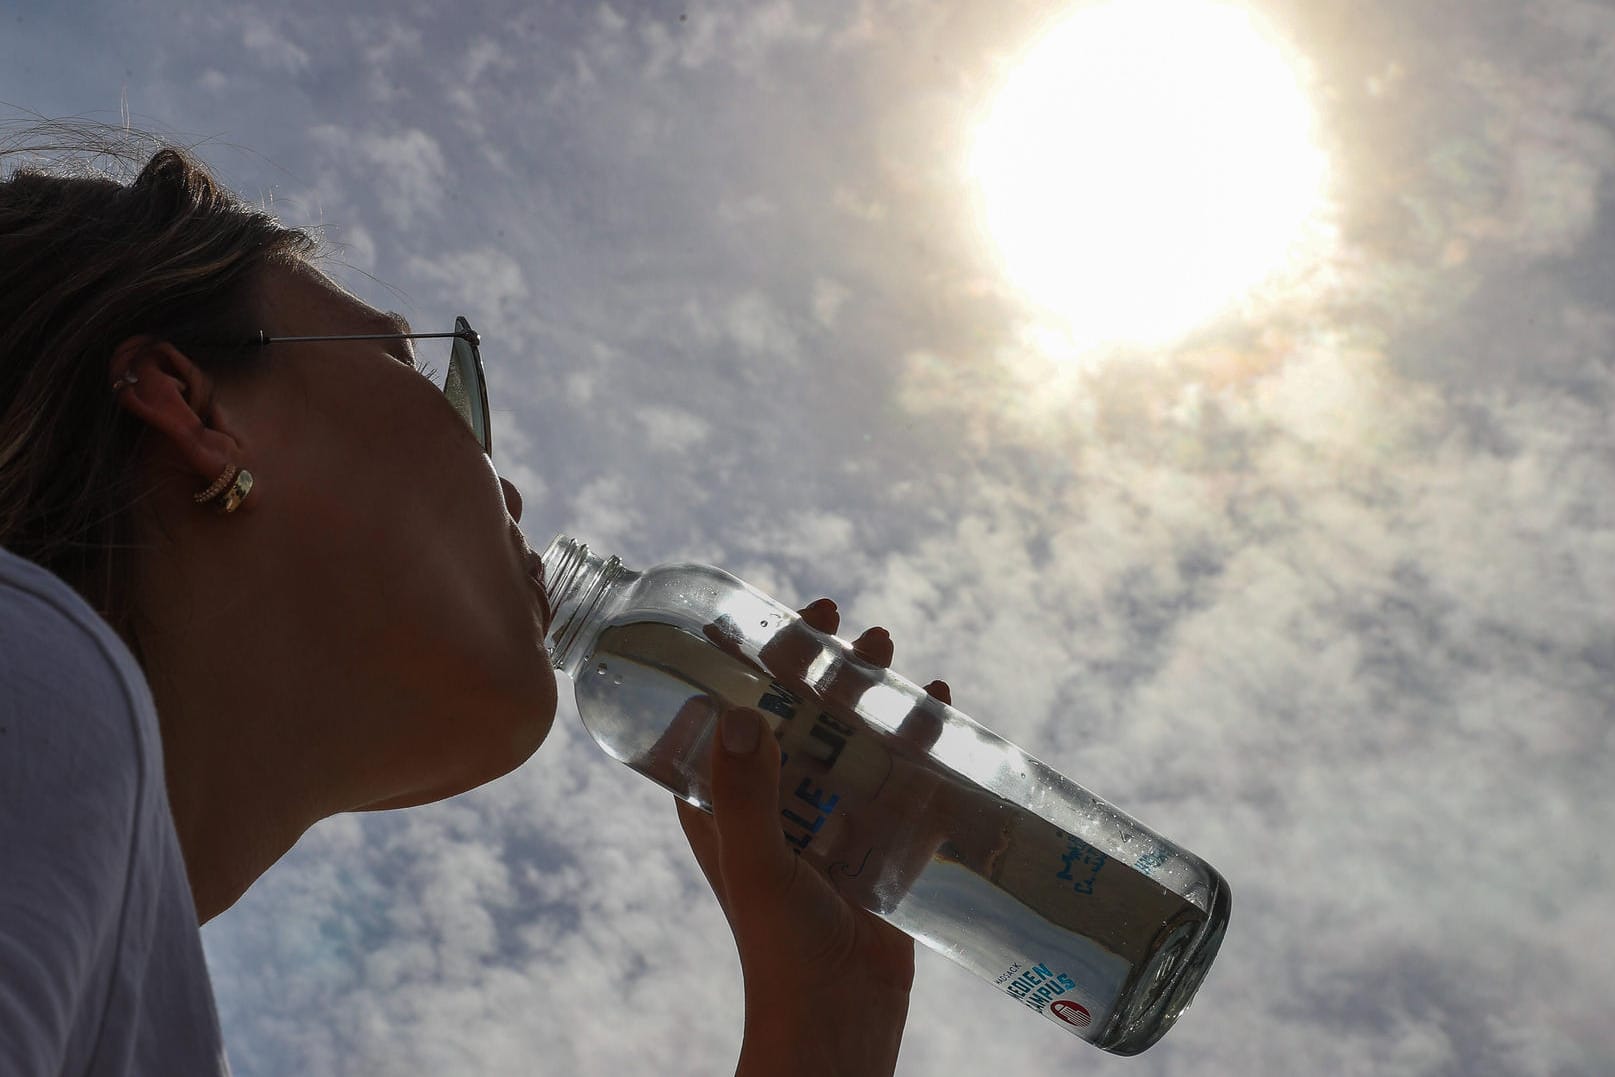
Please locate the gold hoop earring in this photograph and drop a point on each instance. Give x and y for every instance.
(233, 492)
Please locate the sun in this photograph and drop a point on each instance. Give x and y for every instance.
(1148, 164)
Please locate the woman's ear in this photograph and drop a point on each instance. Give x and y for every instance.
(173, 396)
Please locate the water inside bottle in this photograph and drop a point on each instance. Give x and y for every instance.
(1069, 930)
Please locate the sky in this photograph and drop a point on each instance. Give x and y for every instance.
(1319, 588)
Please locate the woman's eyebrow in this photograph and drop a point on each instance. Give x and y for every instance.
(396, 322)
(390, 321)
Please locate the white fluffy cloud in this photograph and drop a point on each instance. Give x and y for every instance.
(404, 172)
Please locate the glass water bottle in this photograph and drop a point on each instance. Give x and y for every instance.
(908, 807)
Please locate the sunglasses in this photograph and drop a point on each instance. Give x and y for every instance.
(463, 382)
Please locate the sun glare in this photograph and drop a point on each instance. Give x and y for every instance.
(1146, 165)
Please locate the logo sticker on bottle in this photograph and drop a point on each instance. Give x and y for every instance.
(1037, 985)
(1072, 1013)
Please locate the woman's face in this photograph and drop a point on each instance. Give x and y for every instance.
(392, 554)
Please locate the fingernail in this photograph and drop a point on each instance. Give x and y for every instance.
(740, 732)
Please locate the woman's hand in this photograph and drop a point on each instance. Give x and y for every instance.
(827, 982)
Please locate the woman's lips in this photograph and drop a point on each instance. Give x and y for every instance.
(535, 572)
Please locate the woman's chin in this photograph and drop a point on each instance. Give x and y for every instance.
(526, 738)
(512, 742)
(497, 749)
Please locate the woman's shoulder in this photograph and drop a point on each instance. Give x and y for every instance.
(101, 966)
(65, 676)
(76, 716)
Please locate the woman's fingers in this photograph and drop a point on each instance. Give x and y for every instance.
(759, 870)
(822, 614)
(745, 803)
(874, 647)
(701, 830)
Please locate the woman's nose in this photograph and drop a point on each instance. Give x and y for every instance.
(513, 500)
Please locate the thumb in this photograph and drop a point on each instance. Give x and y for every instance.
(757, 864)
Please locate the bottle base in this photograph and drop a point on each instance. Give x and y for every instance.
(1168, 983)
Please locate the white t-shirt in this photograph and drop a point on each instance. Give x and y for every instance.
(101, 968)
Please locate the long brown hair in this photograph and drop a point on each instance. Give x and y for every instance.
(87, 261)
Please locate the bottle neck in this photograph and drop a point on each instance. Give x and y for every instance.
(579, 584)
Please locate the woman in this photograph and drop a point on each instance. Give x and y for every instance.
(253, 583)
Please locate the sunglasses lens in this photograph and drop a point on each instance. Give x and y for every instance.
(464, 386)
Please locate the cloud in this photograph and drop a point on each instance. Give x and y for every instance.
(756, 325)
(859, 206)
(672, 430)
(406, 171)
(828, 299)
(740, 211)
(271, 46)
(486, 276)
(212, 81)
(605, 514)
(609, 19)
(1551, 160)
(744, 35)
(751, 323)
